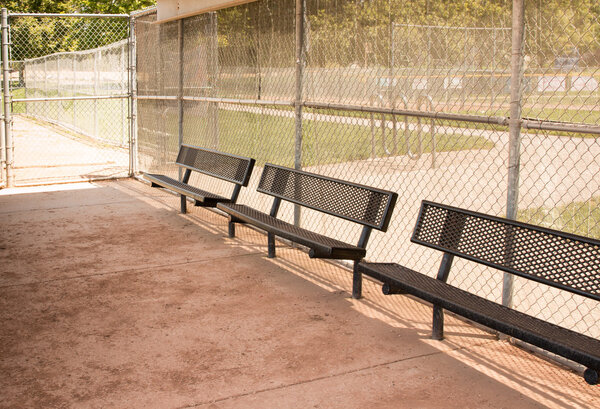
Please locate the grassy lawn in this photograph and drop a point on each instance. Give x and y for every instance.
(581, 218)
(269, 137)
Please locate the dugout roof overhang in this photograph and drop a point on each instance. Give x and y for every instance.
(169, 10)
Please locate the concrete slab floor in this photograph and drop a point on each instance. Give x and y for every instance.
(109, 297)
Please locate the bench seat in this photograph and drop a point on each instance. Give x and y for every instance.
(561, 341)
(320, 246)
(230, 168)
(201, 197)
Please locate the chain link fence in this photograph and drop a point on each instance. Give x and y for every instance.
(70, 90)
(410, 96)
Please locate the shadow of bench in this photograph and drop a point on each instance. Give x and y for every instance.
(560, 260)
(367, 206)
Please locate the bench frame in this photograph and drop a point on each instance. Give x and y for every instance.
(200, 200)
(317, 250)
(398, 279)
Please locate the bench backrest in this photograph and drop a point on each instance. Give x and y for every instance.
(558, 259)
(232, 168)
(361, 204)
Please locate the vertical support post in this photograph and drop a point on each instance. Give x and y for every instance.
(356, 275)
(214, 75)
(8, 146)
(300, 11)
(2, 123)
(514, 152)
(180, 89)
(25, 82)
(123, 88)
(2, 152)
(271, 236)
(74, 64)
(132, 85)
(437, 327)
(45, 91)
(95, 133)
(185, 179)
(59, 113)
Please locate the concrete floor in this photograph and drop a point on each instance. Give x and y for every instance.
(109, 297)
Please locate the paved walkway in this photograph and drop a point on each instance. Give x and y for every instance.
(45, 153)
(111, 298)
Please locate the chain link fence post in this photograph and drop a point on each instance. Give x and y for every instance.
(123, 81)
(2, 125)
(74, 63)
(95, 132)
(518, 24)
(214, 73)
(180, 89)
(300, 16)
(132, 83)
(8, 144)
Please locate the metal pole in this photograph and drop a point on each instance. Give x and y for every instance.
(300, 9)
(74, 64)
(214, 76)
(45, 92)
(8, 146)
(95, 133)
(59, 115)
(180, 89)
(514, 123)
(132, 100)
(123, 80)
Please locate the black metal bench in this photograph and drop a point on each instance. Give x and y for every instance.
(365, 205)
(232, 168)
(561, 260)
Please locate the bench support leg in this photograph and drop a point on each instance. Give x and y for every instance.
(231, 228)
(356, 282)
(437, 328)
(183, 204)
(591, 376)
(271, 245)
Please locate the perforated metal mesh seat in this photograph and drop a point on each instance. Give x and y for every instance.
(321, 246)
(558, 259)
(185, 189)
(561, 341)
(235, 169)
(362, 204)
(232, 168)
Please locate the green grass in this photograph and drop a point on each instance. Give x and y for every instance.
(581, 218)
(268, 137)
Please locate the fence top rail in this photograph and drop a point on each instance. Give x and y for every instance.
(144, 12)
(116, 44)
(450, 27)
(74, 15)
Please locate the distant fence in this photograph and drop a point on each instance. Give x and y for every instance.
(85, 91)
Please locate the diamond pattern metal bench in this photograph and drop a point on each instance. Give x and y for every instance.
(364, 205)
(232, 168)
(557, 259)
